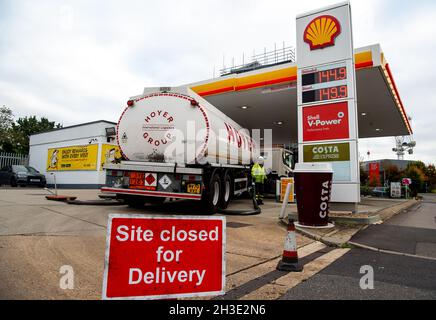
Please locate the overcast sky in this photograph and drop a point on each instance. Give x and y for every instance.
(78, 61)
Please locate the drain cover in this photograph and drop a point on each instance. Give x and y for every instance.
(237, 225)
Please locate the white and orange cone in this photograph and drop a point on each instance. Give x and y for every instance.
(289, 260)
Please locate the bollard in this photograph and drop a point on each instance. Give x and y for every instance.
(285, 201)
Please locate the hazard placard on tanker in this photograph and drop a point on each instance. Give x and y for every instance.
(152, 257)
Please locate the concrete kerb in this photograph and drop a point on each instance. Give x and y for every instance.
(381, 215)
(389, 212)
(352, 220)
(362, 246)
(311, 235)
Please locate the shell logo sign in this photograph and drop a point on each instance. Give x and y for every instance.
(322, 32)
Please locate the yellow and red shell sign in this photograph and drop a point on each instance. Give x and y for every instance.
(322, 32)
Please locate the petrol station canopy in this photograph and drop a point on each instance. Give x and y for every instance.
(266, 98)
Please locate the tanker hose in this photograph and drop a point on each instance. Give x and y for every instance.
(95, 202)
(257, 210)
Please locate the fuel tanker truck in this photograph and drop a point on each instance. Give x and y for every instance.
(174, 144)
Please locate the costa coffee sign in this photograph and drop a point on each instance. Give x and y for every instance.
(326, 122)
(325, 199)
(332, 152)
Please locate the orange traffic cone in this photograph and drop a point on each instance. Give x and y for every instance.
(289, 260)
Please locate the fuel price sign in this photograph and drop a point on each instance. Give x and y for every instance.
(324, 83)
(315, 76)
(325, 94)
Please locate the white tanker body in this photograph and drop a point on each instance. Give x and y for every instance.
(177, 145)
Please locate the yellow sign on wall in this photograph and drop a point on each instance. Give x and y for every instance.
(283, 185)
(73, 158)
(109, 154)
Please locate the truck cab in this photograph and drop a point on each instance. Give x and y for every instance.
(279, 163)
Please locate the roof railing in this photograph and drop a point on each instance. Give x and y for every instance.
(262, 60)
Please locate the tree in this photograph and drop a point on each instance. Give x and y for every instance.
(416, 172)
(363, 174)
(14, 136)
(393, 174)
(27, 126)
(431, 176)
(374, 182)
(6, 122)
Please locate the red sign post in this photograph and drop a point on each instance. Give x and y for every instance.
(163, 257)
(374, 173)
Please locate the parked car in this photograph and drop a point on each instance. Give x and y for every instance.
(19, 175)
(380, 191)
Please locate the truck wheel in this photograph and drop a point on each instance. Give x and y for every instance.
(227, 191)
(213, 196)
(14, 183)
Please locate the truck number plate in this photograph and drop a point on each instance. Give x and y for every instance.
(193, 188)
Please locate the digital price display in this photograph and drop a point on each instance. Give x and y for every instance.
(332, 93)
(323, 76)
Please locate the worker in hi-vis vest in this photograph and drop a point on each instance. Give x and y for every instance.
(259, 177)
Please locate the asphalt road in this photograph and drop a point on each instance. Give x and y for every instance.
(412, 232)
(395, 276)
(38, 237)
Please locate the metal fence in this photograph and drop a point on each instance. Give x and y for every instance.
(9, 159)
(261, 60)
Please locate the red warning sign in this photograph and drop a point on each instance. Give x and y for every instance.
(326, 122)
(154, 257)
